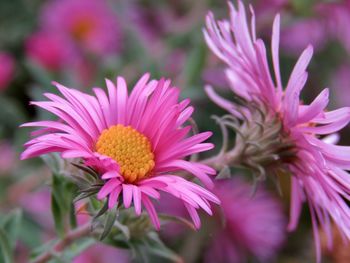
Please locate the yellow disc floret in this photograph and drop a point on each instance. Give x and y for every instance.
(130, 149)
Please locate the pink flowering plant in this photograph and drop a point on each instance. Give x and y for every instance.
(155, 132)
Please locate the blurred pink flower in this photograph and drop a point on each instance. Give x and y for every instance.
(49, 50)
(88, 24)
(329, 22)
(8, 156)
(7, 68)
(38, 204)
(319, 167)
(100, 253)
(341, 83)
(254, 224)
(337, 17)
(296, 36)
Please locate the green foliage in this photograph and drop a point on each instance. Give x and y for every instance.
(9, 230)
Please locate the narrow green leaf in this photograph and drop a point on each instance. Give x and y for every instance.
(103, 210)
(110, 219)
(11, 224)
(57, 216)
(156, 247)
(87, 169)
(123, 229)
(72, 216)
(6, 252)
(82, 196)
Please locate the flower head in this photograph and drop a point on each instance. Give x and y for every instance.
(318, 166)
(136, 142)
(7, 68)
(90, 24)
(242, 234)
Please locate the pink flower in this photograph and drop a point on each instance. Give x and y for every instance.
(298, 35)
(90, 24)
(7, 68)
(337, 18)
(136, 141)
(253, 224)
(49, 50)
(319, 166)
(340, 79)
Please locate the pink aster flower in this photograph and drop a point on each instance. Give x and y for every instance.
(318, 166)
(242, 235)
(90, 24)
(7, 68)
(136, 141)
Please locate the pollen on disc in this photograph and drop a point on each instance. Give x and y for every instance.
(129, 148)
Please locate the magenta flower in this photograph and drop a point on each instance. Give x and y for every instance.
(49, 50)
(7, 68)
(298, 35)
(340, 79)
(90, 24)
(136, 141)
(318, 166)
(253, 224)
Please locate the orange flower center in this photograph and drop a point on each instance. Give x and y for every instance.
(129, 148)
(82, 29)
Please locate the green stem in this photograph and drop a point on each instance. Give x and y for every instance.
(69, 238)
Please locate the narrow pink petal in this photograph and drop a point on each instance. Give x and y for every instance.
(194, 215)
(275, 51)
(109, 186)
(295, 205)
(151, 211)
(110, 175)
(127, 195)
(137, 199)
(122, 100)
(113, 197)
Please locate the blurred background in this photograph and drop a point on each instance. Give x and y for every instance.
(79, 43)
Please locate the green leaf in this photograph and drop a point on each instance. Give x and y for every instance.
(41, 249)
(72, 216)
(87, 169)
(6, 252)
(110, 219)
(62, 206)
(11, 223)
(57, 215)
(123, 229)
(156, 247)
(75, 249)
(103, 210)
